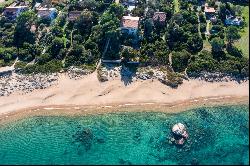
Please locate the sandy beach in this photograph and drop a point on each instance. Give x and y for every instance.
(89, 92)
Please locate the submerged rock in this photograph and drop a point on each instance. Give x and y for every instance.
(124, 162)
(84, 137)
(194, 161)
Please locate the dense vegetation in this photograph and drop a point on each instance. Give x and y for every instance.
(44, 45)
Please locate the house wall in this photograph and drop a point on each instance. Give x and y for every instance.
(52, 14)
(17, 12)
(131, 31)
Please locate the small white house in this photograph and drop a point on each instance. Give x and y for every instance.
(130, 25)
(46, 13)
(37, 6)
(231, 20)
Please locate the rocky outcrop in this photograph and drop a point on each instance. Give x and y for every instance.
(25, 83)
(148, 73)
(108, 72)
(180, 130)
(179, 134)
(216, 77)
(77, 73)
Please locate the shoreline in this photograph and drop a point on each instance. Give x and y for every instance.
(84, 110)
(89, 93)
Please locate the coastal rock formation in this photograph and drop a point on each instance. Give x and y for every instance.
(108, 72)
(216, 77)
(180, 133)
(76, 73)
(25, 83)
(180, 130)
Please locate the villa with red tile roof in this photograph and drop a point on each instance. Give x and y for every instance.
(73, 15)
(160, 16)
(209, 11)
(130, 24)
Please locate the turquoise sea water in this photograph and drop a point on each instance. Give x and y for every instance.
(217, 135)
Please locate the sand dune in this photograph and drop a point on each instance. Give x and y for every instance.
(89, 91)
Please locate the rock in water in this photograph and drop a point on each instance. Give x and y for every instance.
(180, 133)
(180, 130)
(180, 141)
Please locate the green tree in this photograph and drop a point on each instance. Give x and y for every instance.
(56, 45)
(195, 43)
(77, 56)
(43, 58)
(148, 29)
(110, 35)
(161, 52)
(203, 62)
(22, 31)
(156, 53)
(234, 51)
(202, 17)
(169, 12)
(57, 31)
(128, 53)
(8, 54)
(176, 38)
(217, 47)
(117, 10)
(180, 60)
(232, 34)
(217, 44)
(84, 23)
(203, 27)
(88, 4)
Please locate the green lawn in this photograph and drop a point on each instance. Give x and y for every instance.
(176, 6)
(243, 43)
(5, 3)
(206, 45)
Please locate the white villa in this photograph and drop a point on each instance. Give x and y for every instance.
(47, 12)
(13, 11)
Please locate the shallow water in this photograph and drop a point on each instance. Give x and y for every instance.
(217, 135)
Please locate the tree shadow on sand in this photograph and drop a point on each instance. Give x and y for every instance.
(128, 71)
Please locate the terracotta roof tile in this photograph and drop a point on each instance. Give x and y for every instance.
(130, 22)
(73, 15)
(44, 12)
(209, 9)
(159, 15)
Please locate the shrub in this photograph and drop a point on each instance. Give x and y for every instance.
(45, 21)
(202, 62)
(49, 67)
(43, 58)
(20, 65)
(173, 79)
(8, 54)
